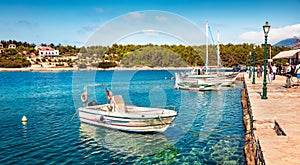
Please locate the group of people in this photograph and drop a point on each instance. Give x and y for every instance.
(273, 70)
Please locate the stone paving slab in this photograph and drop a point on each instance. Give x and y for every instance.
(282, 106)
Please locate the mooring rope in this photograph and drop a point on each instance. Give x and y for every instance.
(161, 120)
(74, 115)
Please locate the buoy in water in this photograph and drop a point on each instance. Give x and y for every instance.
(24, 119)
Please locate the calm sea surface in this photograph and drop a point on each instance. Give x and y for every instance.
(207, 130)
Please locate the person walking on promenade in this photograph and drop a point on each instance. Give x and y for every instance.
(289, 76)
(258, 72)
(248, 71)
(274, 69)
(270, 75)
(289, 69)
(297, 73)
(279, 70)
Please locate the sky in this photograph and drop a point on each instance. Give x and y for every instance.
(105, 22)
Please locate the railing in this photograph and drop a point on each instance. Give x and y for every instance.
(259, 157)
(258, 153)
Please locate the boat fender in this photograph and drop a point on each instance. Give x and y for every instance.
(101, 118)
(24, 119)
(84, 98)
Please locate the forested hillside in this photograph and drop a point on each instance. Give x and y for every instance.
(178, 55)
(141, 55)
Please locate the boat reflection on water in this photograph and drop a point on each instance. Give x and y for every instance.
(130, 144)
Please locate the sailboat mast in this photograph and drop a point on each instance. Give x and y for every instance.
(206, 58)
(218, 49)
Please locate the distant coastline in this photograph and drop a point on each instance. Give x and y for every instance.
(41, 69)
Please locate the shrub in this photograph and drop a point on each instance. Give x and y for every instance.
(107, 64)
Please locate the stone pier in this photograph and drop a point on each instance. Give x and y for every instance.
(276, 120)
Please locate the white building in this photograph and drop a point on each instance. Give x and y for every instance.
(46, 51)
(1, 48)
(12, 46)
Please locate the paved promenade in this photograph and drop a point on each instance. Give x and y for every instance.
(282, 106)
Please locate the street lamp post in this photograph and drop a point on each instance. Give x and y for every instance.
(266, 29)
(249, 62)
(254, 65)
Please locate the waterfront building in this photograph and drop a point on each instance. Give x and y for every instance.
(295, 59)
(46, 51)
(12, 46)
(1, 48)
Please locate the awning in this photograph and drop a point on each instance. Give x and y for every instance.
(286, 54)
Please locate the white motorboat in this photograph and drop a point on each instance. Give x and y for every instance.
(116, 115)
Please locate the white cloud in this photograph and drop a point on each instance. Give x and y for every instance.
(99, 10)
(275, 34)
(23, 22)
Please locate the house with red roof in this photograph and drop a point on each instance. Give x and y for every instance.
(46, 51)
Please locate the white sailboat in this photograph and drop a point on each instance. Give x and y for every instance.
(204, 84)
(211, 77)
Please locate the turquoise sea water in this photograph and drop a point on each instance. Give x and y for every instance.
(207, 130)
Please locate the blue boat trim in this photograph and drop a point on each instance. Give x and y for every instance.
(149, 125)
(120, 117)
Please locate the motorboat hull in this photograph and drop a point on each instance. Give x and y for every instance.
(136, 119)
